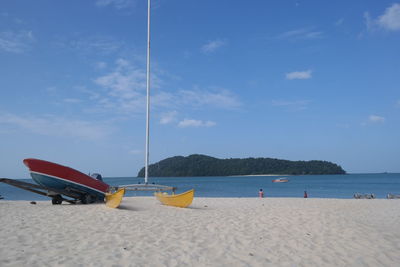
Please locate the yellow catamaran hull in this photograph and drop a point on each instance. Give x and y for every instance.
(113, 200)
(177, 200)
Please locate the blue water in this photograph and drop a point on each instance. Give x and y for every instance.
(317, 186)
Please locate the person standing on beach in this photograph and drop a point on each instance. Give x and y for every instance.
(261, 193)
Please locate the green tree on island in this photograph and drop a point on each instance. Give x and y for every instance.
(202, 165)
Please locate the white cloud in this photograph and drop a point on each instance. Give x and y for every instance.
(51, 89)
(122, 63)
(118, 4)
(212, 46)
(300, 34)
(72, 100)
(123, 90)
(100, 65)
(369, 23)
(16, 42)
(57, 126)
(164, 99)
(220, 98)
(376, 119)
(339, 22)
(390, 20)
(195, 123)
(168, 117)
(125, 82)
(302, 75)
(295, 105)
(95, 44)
(135, 151)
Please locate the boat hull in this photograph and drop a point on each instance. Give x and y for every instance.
(280, 181)
(113, 200)
(179, 200)
(52, 175)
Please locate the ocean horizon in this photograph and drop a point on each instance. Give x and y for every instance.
(342, 186)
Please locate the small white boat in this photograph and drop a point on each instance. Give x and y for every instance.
(281, 180)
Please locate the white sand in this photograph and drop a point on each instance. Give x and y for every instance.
(213, 232)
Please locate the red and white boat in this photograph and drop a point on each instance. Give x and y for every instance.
(55, 176)
(280, 180)
(58, 182)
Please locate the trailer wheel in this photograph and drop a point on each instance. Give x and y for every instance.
(56, 200)
(87, 199)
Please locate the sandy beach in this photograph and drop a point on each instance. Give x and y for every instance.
(212, 232)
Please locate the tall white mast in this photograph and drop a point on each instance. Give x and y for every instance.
(146, 171)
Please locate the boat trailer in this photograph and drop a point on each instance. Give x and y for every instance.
(56, 194)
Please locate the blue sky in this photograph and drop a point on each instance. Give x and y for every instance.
(297, 80)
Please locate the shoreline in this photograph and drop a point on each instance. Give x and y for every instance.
(211, 232)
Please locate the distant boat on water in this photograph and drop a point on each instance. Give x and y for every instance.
(280, 180)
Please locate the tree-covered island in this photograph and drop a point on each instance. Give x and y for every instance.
(202, 165)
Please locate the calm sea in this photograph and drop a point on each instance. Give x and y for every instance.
(317, 186)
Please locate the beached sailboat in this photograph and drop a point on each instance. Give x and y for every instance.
(178, 200)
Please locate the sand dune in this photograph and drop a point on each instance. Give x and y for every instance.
(212, 232)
